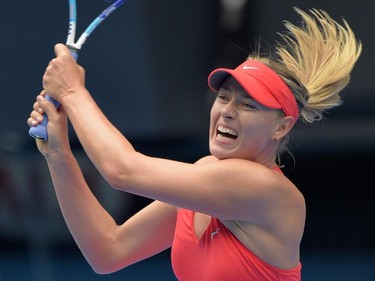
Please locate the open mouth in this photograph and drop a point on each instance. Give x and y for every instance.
(226, 133)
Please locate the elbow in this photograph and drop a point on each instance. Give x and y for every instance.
(117, 180)
(102, 270)
(105, 256)
(115, 177)
(104, 267)
(120, 174)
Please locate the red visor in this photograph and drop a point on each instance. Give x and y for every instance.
(261, 83)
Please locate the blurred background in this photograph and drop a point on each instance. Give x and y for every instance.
(147, 68)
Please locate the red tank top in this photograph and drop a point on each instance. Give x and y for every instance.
(219, 255)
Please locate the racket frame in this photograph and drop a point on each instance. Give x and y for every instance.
(40, 131)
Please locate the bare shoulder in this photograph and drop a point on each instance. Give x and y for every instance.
(255, 189)
(284, 193)
(207, 159)
(275, 218)
(266, 191)
(271, 180)
(256, 177)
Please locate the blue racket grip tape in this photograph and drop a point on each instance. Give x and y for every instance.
(40, 131)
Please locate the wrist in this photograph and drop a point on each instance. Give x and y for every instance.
(56, 152)
(72, 94)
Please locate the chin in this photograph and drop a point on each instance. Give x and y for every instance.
(220, 153)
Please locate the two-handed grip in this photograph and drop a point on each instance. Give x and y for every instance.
(40, 131)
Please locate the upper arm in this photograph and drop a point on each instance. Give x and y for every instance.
(145, 234)
(227, 189)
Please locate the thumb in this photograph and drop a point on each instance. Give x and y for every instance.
(61, 50)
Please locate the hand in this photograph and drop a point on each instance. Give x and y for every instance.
(63, 75)
(57, 126)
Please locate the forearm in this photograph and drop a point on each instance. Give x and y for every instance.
(90, 225)
(104, 144)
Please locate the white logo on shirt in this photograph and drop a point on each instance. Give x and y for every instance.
(215, 232)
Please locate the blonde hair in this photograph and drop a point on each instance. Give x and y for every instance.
(315, 60)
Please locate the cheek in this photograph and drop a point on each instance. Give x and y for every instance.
(256, 131)
(214, 114)
(214, 108)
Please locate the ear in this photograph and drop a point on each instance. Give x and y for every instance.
(284, 127)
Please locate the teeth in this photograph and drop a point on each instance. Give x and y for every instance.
(224, 130)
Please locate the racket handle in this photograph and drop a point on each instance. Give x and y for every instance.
(40, 131)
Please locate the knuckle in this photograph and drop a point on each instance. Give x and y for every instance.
(31, 122)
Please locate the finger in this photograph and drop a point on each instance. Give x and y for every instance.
(37, 108)
(50, 66)
(46, 106)
(36, 116)
(61, 50)
(31, 122)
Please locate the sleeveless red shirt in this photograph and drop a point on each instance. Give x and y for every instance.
(219, 256)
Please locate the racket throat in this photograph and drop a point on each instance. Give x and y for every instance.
(73, 51)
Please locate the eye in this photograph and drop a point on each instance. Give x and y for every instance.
(222, 97)
(248, 105)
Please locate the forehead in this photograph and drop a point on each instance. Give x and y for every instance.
(231, 85)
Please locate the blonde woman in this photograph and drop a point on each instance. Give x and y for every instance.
(232, 215)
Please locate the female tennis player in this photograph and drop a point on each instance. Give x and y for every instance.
(232, 215)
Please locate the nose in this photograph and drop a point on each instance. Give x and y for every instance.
(229, 111)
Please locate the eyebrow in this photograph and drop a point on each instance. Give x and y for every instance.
(241, 91)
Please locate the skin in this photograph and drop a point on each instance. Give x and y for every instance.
(237, 183)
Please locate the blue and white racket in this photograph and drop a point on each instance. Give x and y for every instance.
(40, 131)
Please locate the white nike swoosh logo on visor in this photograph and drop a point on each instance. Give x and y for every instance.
(250, 67)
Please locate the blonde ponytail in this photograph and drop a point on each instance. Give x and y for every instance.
(320, 54)
(315, 61)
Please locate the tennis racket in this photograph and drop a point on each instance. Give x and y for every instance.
(40, 131)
